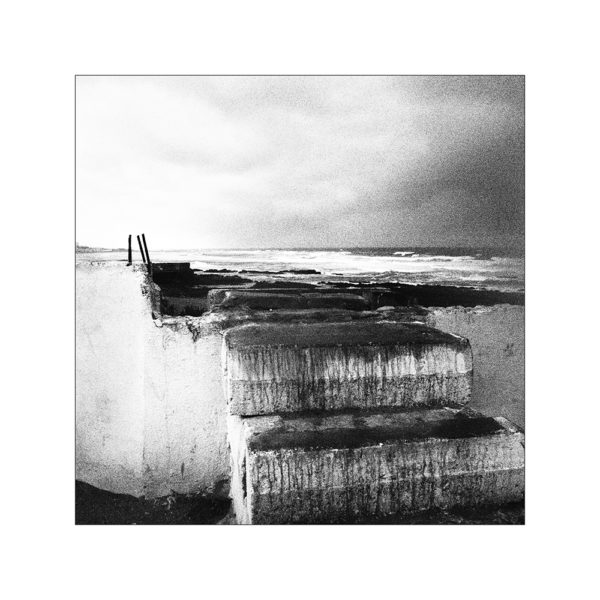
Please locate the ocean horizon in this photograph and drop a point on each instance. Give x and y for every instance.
(480, 267)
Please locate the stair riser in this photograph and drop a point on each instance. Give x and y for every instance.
(266, 380)
(370, 502)
(408, 392)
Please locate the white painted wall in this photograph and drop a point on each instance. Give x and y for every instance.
(150, 408)
(185, 437)
(112, 317)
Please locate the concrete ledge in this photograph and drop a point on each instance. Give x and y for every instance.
(354, 467)
(292, 367)
(284, 299)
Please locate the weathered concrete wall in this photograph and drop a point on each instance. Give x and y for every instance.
(185, 437)
(497, 336)
(112, 318)
(150, 408)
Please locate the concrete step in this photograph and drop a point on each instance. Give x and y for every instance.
(357, 467)
(284, 299)
(292, 367)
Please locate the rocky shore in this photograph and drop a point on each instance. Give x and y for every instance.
(185, 291)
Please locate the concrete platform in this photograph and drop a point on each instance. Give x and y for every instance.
(359, 466)
(292, 367)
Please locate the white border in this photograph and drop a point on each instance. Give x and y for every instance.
(44, 44)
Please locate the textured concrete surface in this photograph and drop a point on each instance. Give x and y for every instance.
(497, 336)
(242, 316)
(271, 368)
(361, 466)
(185, 444)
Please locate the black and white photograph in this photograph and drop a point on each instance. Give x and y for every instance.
(300, 299)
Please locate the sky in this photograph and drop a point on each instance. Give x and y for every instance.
(275, 162)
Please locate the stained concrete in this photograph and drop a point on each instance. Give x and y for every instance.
(291, 367)
(352, 467)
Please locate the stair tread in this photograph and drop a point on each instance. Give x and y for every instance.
(384, 333)
(277, 299)
(357, 429)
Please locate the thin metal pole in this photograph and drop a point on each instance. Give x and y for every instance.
(129, 251)
(141, 249)
(146, 249)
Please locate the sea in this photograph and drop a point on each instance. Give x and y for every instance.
(481, 268)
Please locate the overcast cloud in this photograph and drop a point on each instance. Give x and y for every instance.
(201, 162)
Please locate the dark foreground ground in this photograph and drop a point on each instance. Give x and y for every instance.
(97, 507)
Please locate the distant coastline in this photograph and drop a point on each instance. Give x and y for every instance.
(79, 249)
